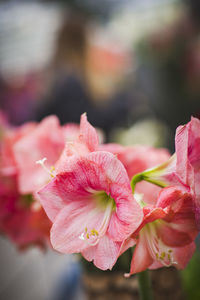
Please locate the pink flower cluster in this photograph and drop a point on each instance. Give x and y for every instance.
(22, 218)
(100, 199)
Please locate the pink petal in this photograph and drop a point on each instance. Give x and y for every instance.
(171, 196)
(76, 184)
(88, 134)
(194, 142)
(141, 257)
(136, 159)
(149, 190)
(113, 148)
(51, 200)
(128, 214)
(105, 254)
(182, 255)
(128, 243)
(126, 219)
(46, 140)
(9, 139)
(193, 162)
(150, 215)
(71, 151)
(172, 237)
(181, 141)
(112, 167)
(71, 131)
(70, 224)
(155, 265)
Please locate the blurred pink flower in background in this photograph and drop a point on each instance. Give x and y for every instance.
(19, 220)
(45, 141)
(136, 159)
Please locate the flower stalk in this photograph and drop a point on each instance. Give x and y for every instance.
(147, 176)
(145, 287)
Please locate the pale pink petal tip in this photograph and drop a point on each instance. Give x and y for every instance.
(88, 134)
(127, 275)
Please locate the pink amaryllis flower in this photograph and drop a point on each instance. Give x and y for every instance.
(23, 225)
(8, 170)
(92, 207)
(22, 218)
(188, 160)
(19, 219)
(183, 168)
(46, 141)
(166, 235)
(9, 137)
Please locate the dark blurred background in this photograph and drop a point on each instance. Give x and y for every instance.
(132, 65)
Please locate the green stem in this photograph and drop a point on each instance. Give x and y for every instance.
(145, 287)
(156, 182)
(144, 176)
(137, 178)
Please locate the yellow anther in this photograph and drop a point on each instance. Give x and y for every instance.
(85, 229)
(95, 232)
(170, 250)
(41, 162)
(87, 236)
(162, 255)
(157, 255)
(52, 169)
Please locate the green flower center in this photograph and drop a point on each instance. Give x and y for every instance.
(103, 199)
(107, 205)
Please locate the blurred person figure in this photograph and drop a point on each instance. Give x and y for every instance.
(18, 96)
(80, 82)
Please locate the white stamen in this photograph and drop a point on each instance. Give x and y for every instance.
(41, 162)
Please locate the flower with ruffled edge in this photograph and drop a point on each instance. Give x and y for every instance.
(92, 208)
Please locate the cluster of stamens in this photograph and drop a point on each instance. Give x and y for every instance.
(157, 248)
(91, 236)
(166, 258)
